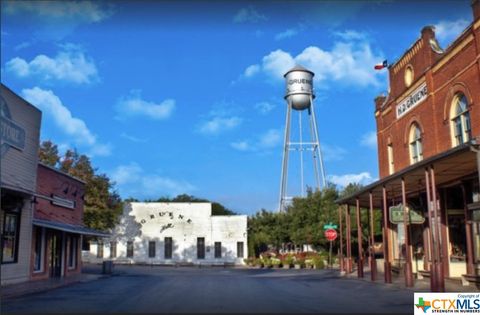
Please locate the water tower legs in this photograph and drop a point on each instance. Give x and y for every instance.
(313, 145)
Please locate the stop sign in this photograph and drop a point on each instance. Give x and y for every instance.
(331, 234)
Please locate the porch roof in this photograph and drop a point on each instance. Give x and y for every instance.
(449, 166)
(71, 228)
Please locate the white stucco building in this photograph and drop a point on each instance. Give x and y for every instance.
(173, 233)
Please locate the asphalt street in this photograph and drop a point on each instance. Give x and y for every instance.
(144, 289)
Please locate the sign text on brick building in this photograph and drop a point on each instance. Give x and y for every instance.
(419, 95)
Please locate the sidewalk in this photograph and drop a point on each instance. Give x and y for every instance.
(19, 289)
(420, 285)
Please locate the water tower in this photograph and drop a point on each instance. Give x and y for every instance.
(299, 96)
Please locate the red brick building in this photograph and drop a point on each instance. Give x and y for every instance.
(428, 132)
(57, 224)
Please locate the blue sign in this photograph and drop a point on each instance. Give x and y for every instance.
(12, 134)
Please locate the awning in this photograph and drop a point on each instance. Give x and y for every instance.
(449, 166)
(71, 228)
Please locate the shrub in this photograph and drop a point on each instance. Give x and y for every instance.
(300, 262)
(318, 262)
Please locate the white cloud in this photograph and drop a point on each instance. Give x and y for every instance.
(69, 65)
(51, 105)
(369, 139)
(218, 124)
(264, 107)
(132, 138)
(446, 31)
(81, 11)
(348, 62)
(134, 105)
(349, 35)
(363, 178)
(134, 181)
(240, 145)
(268, 140)
(286, 34)
(251, 70)
(333, 152)
(248, 14)
(277, 63)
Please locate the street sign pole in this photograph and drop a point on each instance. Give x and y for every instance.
(330, 256)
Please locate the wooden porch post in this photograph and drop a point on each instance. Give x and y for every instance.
(406, 226)
(468, 233)
(349, 241)
(385, 234)
(440, 286)
(342, 267)
(359, 241)
(373, 262)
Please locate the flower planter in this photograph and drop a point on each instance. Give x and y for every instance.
(298, 266)
(287, 266)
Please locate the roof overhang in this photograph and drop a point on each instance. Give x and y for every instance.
(71, 228)
(449, 166)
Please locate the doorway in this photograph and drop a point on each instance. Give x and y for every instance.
(55, 259)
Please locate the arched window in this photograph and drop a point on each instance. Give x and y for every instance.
(415, 141)
(460, 120)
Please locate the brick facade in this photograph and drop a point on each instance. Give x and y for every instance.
(455, 70)
(52, 182)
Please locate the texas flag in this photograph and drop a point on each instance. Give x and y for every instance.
(380, 66)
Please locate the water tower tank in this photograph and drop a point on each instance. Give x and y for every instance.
(299, 87)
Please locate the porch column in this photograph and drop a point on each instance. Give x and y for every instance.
(406, 225)
(359, 241)
(385, 234)
(349, 244)
(342, 267)
(431, 237)
(438, 267)
(373, 262)
(468, 233)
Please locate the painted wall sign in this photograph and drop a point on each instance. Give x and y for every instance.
(418, 96)
(62, 202)
(12, 134)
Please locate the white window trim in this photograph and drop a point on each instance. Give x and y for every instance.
(42, 252)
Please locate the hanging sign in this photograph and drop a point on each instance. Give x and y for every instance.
(415, 214)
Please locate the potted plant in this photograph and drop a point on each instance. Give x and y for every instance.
(277, 263)
(288, 262)
(299, 263)
(267, 262)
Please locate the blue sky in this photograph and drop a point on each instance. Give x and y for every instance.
(171, 97)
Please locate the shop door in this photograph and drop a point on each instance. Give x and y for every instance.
(55, 261)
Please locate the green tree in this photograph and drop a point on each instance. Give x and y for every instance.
(48, 153)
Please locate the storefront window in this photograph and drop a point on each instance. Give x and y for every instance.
(476, 234)
(72, 254)
(10, 237)
(100, 250)
(38, 250)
